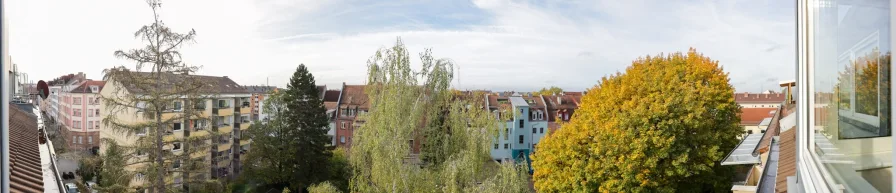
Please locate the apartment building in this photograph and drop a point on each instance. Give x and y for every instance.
(756, 107)
(226, 113)
(256, 100)
(528, 119)
(352, 102)
(81, 115)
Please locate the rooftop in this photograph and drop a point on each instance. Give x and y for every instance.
(518, 101)
(24, 156)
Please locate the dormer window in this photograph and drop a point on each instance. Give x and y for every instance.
(94, 89)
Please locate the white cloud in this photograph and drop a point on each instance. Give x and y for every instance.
(498, 44)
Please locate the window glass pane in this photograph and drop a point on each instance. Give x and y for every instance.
(852, 93)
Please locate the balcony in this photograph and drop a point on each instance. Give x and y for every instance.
(244, 125)
(224, 146)
(245, 141)
(223, 111)
(224, 129)
(199, 133)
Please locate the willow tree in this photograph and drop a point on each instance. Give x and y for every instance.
(407, 104)
(150, 99)
(662, 126)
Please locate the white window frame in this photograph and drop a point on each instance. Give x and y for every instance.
(174, 106)
(811, 175)
(181, 128)
(177, 144)
(145, 129)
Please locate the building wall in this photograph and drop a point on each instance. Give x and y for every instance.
(82, 132)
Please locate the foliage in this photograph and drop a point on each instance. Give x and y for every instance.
(88, 167)
(340, 170)
(323, 187)
(662, 126)
(404, 104)
(292, 148)
(165, 85)
(550, 91)
(112, 175)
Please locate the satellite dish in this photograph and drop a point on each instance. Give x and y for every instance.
(43, 89)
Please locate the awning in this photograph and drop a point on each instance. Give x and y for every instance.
(743, 154)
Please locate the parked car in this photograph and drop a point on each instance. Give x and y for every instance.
(71, 187)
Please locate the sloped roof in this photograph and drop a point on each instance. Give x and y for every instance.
(331, 96)
(355, 95)
(754, 116)
(215, 84)
(85, 87)
(255, 89)
(24, 156)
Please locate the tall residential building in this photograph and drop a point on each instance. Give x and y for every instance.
(81, 116)
(256, 100)
(228, 113)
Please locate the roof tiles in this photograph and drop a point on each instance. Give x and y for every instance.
(24, 155)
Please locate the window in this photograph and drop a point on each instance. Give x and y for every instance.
(342, 139)
(76, 112)
(89, 139)
(74, 139)
(221, 103)
(142, 132)
(176, 164)
(749, 131)
(176, 146)
(542, 129)
(534, 130)
(76, 124)
(343, 125)
(496, 146)
(198, 124)
(506, 146)
(96, 112)
(80, 140)
(89, 112)
(521, 123)
(96, 125)
(845, 59)
(178, 106)
(77, 101)
(521, 139)
(90, 124)
(177, 127)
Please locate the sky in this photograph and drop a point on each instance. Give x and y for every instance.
(498, 45)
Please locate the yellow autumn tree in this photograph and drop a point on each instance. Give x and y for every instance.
(662, 126)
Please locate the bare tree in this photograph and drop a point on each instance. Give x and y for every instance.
(152, 99)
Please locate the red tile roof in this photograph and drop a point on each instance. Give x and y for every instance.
(354, 95)
(24, 155)
(85, 87)
(759, 98)
(331, 96)
(753, 116)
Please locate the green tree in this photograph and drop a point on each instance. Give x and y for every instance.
(160, 84)
(405, 104)
(662, 126)
(340, 170)
(293, 148)
(550, 91)
(323, 187)
(112, 175)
